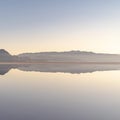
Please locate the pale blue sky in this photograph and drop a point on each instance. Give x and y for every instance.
(60, 25)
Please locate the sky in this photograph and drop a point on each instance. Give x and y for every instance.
(60, 25)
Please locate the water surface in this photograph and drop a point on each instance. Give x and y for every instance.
(60, 96)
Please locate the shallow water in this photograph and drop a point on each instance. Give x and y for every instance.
(60, 96)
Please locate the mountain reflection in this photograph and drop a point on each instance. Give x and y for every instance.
(5, 68)
(61, 67)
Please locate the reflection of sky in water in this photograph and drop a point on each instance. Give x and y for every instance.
(59, 96)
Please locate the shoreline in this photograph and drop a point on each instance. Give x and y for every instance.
(26, 63)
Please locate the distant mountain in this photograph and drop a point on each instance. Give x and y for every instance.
(7, 57)
(4, 53)
(71, 56)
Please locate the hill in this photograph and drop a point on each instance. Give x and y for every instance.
(5, 56)
(71, 56)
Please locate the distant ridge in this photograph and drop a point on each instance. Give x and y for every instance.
(4, 52)
(60, 57)
(5, 56)
(64, 52)
(67, 52)
(72, 56)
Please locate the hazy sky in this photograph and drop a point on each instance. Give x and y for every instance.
(60, 25)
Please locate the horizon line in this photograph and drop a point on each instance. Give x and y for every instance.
(62, 52)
